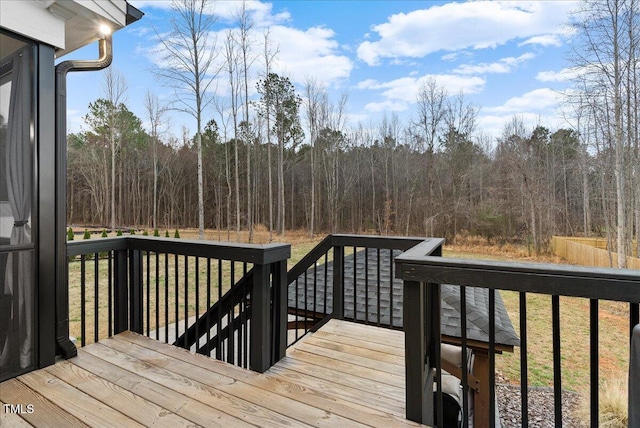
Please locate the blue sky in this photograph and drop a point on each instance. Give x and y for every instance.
(509, 58)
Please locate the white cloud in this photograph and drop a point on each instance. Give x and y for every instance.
(260, 12)
(505, 65)
(564, 75)
(386, 106)
(455, 26)
(533, 102)
(538, 107)
(310, 53)
(545, 40)
(313, 52)
(450, 56)
(398, 94)
(493, 125)
(367, 84)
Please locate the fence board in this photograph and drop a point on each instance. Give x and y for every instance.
(589, 252)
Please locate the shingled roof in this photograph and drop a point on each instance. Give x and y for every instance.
(376, 267)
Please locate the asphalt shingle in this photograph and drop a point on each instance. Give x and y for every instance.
(385, 292)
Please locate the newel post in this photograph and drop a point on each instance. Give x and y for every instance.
(421, 321)
(421, 317)
(269, 305)
(135, 300)
(121, 292)
(418, 379)
(268, 315)
(280, 310)
(338, 282)
(260, 331)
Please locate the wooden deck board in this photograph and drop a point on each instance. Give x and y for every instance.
(345, 375)
(350, 414)
(116, 397)
(8, 419)
(45, 412)
(75, 402)
(167, 398)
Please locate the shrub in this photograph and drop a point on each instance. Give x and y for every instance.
(613, 403)
(104, 254)
(156, 233)
(87, 234)
(132, 232)
(119, 233)
(176, 235)
(70, 235)
(145, 233)
(166, 235)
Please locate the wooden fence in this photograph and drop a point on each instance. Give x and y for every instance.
(589, 252)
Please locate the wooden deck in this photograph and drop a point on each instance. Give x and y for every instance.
(341, 376)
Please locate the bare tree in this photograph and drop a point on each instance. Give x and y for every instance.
(157, 124)
(431, 111)
(314, 96)
(244, 43)
(607, 53)
(232, 59)
(269, 56)
(114, 87)
(188, 56)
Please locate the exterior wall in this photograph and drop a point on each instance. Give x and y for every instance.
(41, 24)
(64, 24)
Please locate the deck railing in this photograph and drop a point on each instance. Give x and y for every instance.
(423, 275)
(346, 277)
(222, 300)
(237, 302)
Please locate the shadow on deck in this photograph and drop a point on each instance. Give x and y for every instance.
(343, 375)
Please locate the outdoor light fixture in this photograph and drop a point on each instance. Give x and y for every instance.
(104, 30)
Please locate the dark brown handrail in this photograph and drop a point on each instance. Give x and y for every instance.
(422, 275)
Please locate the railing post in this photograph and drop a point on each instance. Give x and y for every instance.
(121, 292)
(280, 310)
(338, 282)
(260, 331)
(634, 378)
(135, 288)
(418, 376)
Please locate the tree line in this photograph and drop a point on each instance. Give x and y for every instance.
(286, 158)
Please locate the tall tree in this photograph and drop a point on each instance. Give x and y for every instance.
(114, 87)
(232, 59)
(112, 124)
(157, 123)
(280, 102)
(189, 56)
(431, 107)
(268, 55)
(314, 97)
(607, 51)
(245, 24)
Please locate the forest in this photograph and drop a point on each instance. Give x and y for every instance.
(284, 158)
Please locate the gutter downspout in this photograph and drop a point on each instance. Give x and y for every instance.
(66, 347)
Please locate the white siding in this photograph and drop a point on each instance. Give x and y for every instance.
(65, 24)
